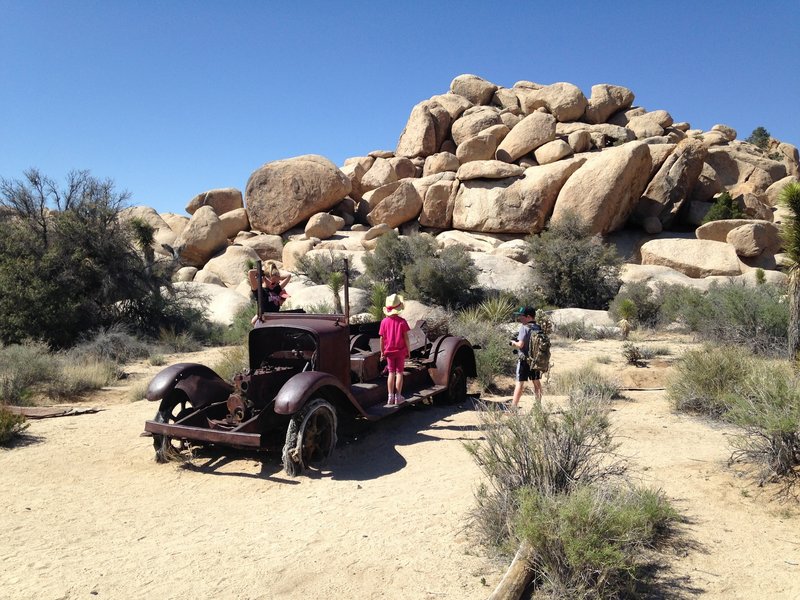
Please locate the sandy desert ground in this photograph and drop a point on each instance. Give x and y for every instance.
(87, 513)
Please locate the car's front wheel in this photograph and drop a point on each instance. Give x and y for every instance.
(173, 408)
(310, 437)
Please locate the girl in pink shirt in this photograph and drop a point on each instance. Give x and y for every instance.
(394, 347)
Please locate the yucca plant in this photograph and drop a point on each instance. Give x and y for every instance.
(790, 232)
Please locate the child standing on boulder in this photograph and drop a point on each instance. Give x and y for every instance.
(394, 347)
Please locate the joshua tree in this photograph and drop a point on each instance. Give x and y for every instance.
(790, 232)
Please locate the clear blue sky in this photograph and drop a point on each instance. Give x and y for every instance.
(175, 97)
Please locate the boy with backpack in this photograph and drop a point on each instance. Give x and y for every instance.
(533, 348)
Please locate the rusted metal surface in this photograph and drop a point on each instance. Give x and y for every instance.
(200, 434)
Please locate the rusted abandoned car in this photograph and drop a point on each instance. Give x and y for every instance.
(307, 373)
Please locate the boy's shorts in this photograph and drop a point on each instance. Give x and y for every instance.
(524, 372)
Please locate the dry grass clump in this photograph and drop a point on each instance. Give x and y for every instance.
(11, 426)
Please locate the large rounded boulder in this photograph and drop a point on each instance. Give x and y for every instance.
(281, 194)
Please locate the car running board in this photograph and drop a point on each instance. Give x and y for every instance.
(379, 411)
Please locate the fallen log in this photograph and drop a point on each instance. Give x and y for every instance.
(517, 577)
(45, 412)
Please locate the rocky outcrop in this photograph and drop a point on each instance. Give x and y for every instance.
(221, 200)
(533, 131)
(283, 193)
(672, 184)
(603, 192)
(485, 166)
(203, 237)
(695, 258)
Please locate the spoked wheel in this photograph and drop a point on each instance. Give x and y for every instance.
(310, 438)
(457, 384)
(172, 409)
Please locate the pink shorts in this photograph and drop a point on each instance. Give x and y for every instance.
(395, 362)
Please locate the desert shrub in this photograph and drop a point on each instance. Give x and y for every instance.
(636, 303)
(78, 377)
(594, 542)
(157, 360)
(540, 450)
(416, 266)
(704, 379)
(319, 267)
(445, 278)
(633, 354)
(756, 317)
(234, 360)
(138, 391)
(241, 326)
(573, 267)
(178, 341)
(23, 366)
(586, 381)
(114, 343)
(581, 330)
(11, 426)
(495, 357)
(386, 264)
(766, 404)
(575, 330)
(724, 207)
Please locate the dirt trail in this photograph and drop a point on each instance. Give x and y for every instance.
(88, 512)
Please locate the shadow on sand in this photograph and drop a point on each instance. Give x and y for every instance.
(365, 450)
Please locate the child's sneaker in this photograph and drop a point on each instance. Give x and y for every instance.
(398, 399)
(390, 402)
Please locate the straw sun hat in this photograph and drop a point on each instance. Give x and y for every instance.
(394, 304)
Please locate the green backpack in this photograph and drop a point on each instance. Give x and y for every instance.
(540, 351)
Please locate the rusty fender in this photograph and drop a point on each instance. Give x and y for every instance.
(200, 384)
(446, 351)
(300, 388)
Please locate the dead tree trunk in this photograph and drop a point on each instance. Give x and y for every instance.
(517, 577)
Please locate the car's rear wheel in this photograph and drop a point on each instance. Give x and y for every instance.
(310, 437)
(173, 408)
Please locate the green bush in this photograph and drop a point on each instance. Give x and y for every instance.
(573, 267)
(11, 426)
(636, 303)
(766, 404)
(541, 450)
(416, 266)
(704, 379)
(387, 263)
(495, 356)
(756, 318)
(445, 278)
(69, 263)
(594, 542)
(724, 208)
